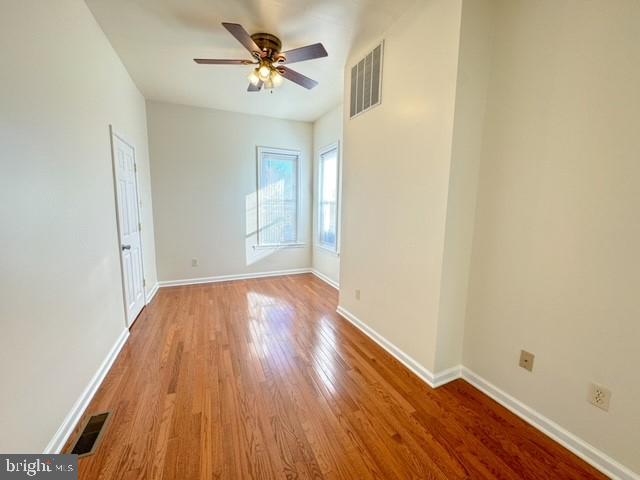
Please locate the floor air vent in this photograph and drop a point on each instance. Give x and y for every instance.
(90, 437)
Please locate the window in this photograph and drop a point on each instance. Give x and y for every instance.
(277, 196)
(328, 198)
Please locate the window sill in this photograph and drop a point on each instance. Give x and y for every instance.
(327, 249)
(279, 246)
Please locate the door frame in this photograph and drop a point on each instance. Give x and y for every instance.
(113, 133)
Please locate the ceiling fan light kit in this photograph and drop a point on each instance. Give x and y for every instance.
(253, 77)
(265, 48)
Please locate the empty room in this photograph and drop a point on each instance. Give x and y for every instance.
(342, 239)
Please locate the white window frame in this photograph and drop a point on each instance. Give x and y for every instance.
(260, 151)
(334, 146)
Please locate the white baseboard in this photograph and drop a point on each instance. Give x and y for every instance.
(325, 279)
(228, 278)
(434, 380)
(584, 450)
(152, 293)
(446, 376)
(62, 435)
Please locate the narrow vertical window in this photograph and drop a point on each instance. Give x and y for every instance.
(328, 176)
(277, 196)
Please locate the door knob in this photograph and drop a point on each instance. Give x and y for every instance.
(126, 247)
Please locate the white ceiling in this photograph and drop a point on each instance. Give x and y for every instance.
(158, 39)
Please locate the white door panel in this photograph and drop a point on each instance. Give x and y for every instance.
(129, 227)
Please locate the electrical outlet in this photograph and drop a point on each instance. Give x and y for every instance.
(526, 360)
(599, 396)
(194, 262)
(357, 294)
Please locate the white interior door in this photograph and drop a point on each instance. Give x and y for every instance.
(129, 227)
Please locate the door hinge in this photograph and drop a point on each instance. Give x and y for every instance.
(139, 227)
(135, 167)
(144, 282)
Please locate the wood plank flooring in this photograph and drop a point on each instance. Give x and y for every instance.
(262, 379)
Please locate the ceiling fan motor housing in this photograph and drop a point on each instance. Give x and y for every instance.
(269, 44)
(266, 50)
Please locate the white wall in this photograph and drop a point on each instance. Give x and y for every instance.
(555, 255)
(61, 309)
(395, 182)
(327, 130)
(490, 203)
(204, 190)
(474, 63)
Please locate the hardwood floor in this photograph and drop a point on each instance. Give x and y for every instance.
(262, 379)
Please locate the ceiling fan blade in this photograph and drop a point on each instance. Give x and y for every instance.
(255, 88)
(298, 78)
(215, 61)
(242, 36)
(305, 53)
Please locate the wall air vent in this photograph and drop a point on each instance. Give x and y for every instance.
(366, 82)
